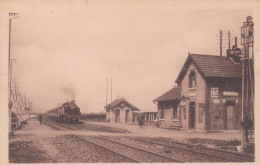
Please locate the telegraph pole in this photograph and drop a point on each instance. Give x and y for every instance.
(29, 107)
(106, 91)
(24, 103)
(220, 42)
(228, 40)
(111, 90)
(15, 90)
(10, 104)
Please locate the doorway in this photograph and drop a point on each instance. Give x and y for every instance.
(192, 118)
(229, 116)
(117, 116)
(127, 116)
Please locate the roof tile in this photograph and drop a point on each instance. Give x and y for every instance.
(170, 95)
(217, 66)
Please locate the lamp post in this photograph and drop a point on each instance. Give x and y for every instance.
(10, 104)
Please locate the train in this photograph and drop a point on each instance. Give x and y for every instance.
(68, 112)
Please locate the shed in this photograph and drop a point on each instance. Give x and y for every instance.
(120, 111)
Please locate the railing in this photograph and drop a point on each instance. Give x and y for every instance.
(16, 122)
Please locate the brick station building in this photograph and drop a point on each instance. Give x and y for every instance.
(121, 111)
(207, 97)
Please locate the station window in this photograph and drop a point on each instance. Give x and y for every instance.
(192, 79)
(161, 112)
(184, 112)
(175, 113)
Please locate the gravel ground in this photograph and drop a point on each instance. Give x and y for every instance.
(27, 149)
(76, 150)
(36, 143)
(58, 149)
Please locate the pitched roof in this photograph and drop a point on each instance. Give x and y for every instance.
(212, 66)
(118, 101)
(170, 95)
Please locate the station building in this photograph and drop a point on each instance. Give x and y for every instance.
(207, 97)
(121, 111)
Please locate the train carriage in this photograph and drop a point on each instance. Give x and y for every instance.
(52, 114)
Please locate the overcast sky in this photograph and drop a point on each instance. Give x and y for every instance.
(67, 49)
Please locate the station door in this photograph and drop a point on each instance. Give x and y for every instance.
(192, 118)
(229, 115)
(117, 116)
(127, 116)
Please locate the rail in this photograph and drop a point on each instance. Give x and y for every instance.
(141, 149)
(89, 141)
(222, 154)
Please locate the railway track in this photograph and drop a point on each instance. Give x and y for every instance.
(83, 127)
(104, 128)
(110, 150)
(171, 148)
(138, 154)
(182, 155)
(57, 126)
(219, 155)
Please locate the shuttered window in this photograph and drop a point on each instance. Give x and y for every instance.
(175, 113)
(192, 79)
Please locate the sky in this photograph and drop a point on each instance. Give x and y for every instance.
(67, 50)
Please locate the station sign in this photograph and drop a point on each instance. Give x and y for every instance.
(226, 93)
(214, 92)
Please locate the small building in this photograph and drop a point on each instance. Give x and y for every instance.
(207, 96)
(168, 113)
(121, 111)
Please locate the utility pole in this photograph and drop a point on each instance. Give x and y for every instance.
(106, 91)
(247, 40)
(21, 98)
(220, 42)
(10, 104)
(10, 77)
(15, 91)
(24, 103)
(29, 107)
(111, 91)
(228, 40)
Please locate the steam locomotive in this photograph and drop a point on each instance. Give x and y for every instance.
(68, 112)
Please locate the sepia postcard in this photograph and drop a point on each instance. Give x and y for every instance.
(129, 81)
